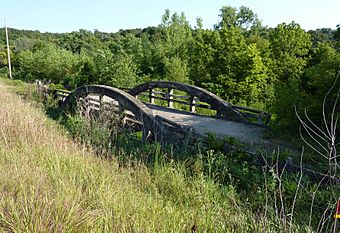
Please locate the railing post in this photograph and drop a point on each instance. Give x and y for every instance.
(38, 87)
(192, 104)
(170, 98)
(87, 107)
(268, 119)
(100, 101)
(259, 120)
(218, 112)
(151, 97)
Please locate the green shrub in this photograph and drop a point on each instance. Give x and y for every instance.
(48, 63)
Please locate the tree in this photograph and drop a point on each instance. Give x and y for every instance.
(229, 67)
(290, 46)
(48, 63)
(3, 57)
(178, 35)
(319, 77)
(321, 35)
(243, 18)
(76, 41)
(167, 53)
(243, 78)
(336, 37)
(104, 67)
(176, 70)
(257, 83)
(129, 44)
(202, 54)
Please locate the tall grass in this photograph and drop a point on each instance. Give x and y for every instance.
(50, 184)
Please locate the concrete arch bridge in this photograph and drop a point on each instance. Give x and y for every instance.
(166, 111)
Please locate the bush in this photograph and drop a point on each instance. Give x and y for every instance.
(48, 63)
(104, 67)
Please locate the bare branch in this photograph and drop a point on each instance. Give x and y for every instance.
(307, 127)
(316, 150)
(315, 140)
(335, 104)
(313, 198)
(321, 131)
(296, 192)
(309, 130)
(324, 103)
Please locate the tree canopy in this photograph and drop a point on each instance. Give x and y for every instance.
(276, 69)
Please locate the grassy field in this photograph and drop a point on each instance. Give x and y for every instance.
(49, 183)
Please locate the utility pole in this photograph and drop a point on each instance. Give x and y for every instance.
(8, 53)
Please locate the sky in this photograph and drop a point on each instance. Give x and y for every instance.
(111, 16)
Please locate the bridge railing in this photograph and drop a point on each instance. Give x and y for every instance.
(164, 91)
(260, 117)
(90, 103)
(170, 98)
(45, 91)
(154, 92)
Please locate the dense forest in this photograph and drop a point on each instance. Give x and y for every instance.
(244, 62)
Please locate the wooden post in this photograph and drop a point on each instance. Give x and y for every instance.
(151, 99)
(170, 98)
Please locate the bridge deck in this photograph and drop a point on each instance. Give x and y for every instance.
(205, 124)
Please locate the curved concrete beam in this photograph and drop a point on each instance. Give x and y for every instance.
(222, 107)
(127, 101)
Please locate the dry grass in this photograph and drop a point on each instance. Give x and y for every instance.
(50, 184)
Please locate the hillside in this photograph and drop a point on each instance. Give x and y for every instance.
(49, 183)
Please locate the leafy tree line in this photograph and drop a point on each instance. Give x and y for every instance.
(239, 59)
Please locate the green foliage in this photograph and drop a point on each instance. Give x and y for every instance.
(320, 76)
(321, 35)
(176, 70)
(239, 60)
(167, 57)
(202, 53)
(243, 18)
(3, 58)
(78, 41)
(290, 47)
(88, 133)
(48, 63)
(288, 96)
(209, 182)
(323, 68)
(240, 74)
(104, 67)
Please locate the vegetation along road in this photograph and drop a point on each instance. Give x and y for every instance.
(61, 173)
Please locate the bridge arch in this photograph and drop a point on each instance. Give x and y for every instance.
(223, 108)
(126, 101)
